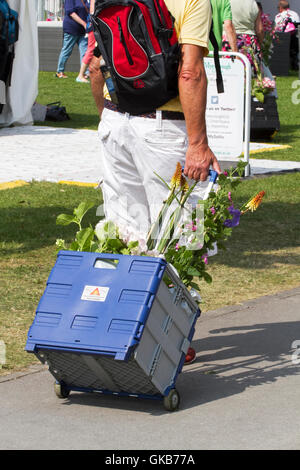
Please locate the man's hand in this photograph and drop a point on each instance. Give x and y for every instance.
(198, 160)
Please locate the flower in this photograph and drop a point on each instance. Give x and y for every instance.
(186, 243)
(268, 83)
(176, 181)
(255, 202)
(205, 258)
(184, 184)
(235, 220)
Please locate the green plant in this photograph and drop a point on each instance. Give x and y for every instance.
(184, 243)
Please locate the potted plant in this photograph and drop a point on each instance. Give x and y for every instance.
(185, 237)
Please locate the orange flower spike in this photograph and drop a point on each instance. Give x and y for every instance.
(176, 178)
(184, 184)
(255, 201)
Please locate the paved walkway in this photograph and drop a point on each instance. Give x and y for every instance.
(61, 154)
(241, 393)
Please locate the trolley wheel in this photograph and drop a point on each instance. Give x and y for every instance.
(172, 400)
(61, 390)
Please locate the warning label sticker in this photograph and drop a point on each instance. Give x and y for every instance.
(95, 293)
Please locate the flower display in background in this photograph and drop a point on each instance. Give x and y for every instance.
(269, 37)
(261, 86)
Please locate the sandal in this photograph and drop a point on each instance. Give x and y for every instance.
(60, 75)
(79, 80)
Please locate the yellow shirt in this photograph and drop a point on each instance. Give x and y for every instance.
(192, 24)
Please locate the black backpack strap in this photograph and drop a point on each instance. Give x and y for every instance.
(220, 83)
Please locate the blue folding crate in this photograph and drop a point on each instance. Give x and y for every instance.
(111, 324)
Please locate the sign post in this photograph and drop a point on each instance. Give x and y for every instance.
(228, 115)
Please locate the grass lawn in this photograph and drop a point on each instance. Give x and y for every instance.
(27, 253)
(76, 97)
(289, 115)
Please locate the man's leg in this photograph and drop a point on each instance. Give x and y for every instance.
(125, 201)
(157, 146)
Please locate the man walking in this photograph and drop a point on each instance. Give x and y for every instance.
(136, 148)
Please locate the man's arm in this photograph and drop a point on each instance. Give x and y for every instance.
(97, 83)
(231, 35)
(192, 92)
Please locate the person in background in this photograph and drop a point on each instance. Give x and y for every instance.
(90, 48)
(286, 21)
(247, 21)
(96, 77)
(285, 14)
(74, 29)
(222, 20)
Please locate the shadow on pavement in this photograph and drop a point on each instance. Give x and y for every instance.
(233, 359)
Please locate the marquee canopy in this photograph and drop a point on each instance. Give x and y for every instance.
(20, 96)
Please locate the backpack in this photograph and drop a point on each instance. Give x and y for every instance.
(9, 33)
(9, 26)
(140, 53)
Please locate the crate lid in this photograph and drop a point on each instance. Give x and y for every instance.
(96, 303)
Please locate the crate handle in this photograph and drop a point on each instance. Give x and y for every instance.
(106, 263)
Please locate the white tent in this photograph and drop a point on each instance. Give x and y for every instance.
(20, 96)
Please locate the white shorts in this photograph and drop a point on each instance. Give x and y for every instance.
(133, 150)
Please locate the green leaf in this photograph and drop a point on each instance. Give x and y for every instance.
(133, 244)
(74, 246)
(207, 277)
(194, 286)
(84, 238)
(115, 244)
(260, 96)
(193, 271)
(65, 219)
(82, 209)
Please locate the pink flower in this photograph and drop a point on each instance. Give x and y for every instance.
(213, 210)
(225, 173)
(205, 259)
(229, 196)
(268, 83)
(177, 246)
